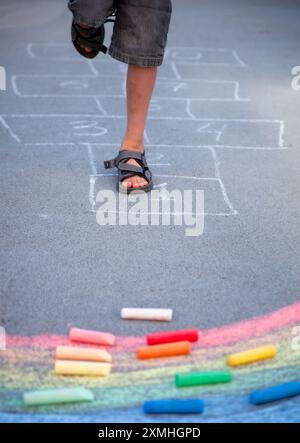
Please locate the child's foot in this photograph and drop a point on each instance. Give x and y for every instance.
(136, 181)
(81, 25)
(133, 171)
(88, 40)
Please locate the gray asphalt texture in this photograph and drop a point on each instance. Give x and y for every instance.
(59, 267)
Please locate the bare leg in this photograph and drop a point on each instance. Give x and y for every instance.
(140, 84)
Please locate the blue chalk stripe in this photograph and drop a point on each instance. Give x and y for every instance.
(274, 393)
(176, 406)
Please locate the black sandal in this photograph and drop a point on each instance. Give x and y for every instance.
(126, 170)
(91, 38)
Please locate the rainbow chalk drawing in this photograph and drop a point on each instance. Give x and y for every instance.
(27, 364)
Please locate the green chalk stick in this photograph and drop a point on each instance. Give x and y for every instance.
(53, 396)
(202, 378)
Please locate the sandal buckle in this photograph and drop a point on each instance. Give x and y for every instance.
(109, 164)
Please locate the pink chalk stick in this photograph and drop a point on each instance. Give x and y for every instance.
(92, 337)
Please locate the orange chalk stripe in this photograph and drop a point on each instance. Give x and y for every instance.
(165, 350)
(84, 354)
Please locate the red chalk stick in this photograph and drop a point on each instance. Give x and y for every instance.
(92, 337)
(173, 336)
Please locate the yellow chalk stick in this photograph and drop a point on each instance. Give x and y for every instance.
(252, 355)
(67, 367)
(85, 354)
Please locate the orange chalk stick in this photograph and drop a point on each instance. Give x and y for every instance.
(165, 350)
(85, 354)
(92, 337)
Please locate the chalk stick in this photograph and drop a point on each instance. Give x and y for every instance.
(202, 378)
(54, 396)
(92, 337)
(165, 350)
(147, 314)
(157, 338)
(274, 393)
(252, 355)
(85, 354)
(68, 367)
(176, 406)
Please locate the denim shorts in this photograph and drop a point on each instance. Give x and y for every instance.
(140, 31)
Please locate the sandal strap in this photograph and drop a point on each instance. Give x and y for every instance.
(146, 174)
(108, 164)
(125, 155)
(126, 170)
(125, 167)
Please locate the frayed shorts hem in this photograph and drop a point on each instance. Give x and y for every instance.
(87, 21)
(143, 62)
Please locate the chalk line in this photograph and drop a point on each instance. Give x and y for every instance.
(222, 186)
(10, 131)
(100, 107)
(238, 58)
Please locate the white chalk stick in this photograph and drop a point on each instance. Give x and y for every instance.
(147, 314)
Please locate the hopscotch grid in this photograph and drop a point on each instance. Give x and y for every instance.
(210, 119)
(210, 99)
(236, 57)
(93, 179)
(211, 147)
(95, 174)
(224, 120)
(89, 63)
(169, 80)
(254, 148)
(162, 78)
(234, 83)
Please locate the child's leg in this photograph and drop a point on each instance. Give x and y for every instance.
(139, 39)
(140, 84)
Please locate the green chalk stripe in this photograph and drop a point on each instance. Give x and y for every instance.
(54, 396)
(202, 378)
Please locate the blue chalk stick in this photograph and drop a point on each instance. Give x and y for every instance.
(177, 406)
(274, 393)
